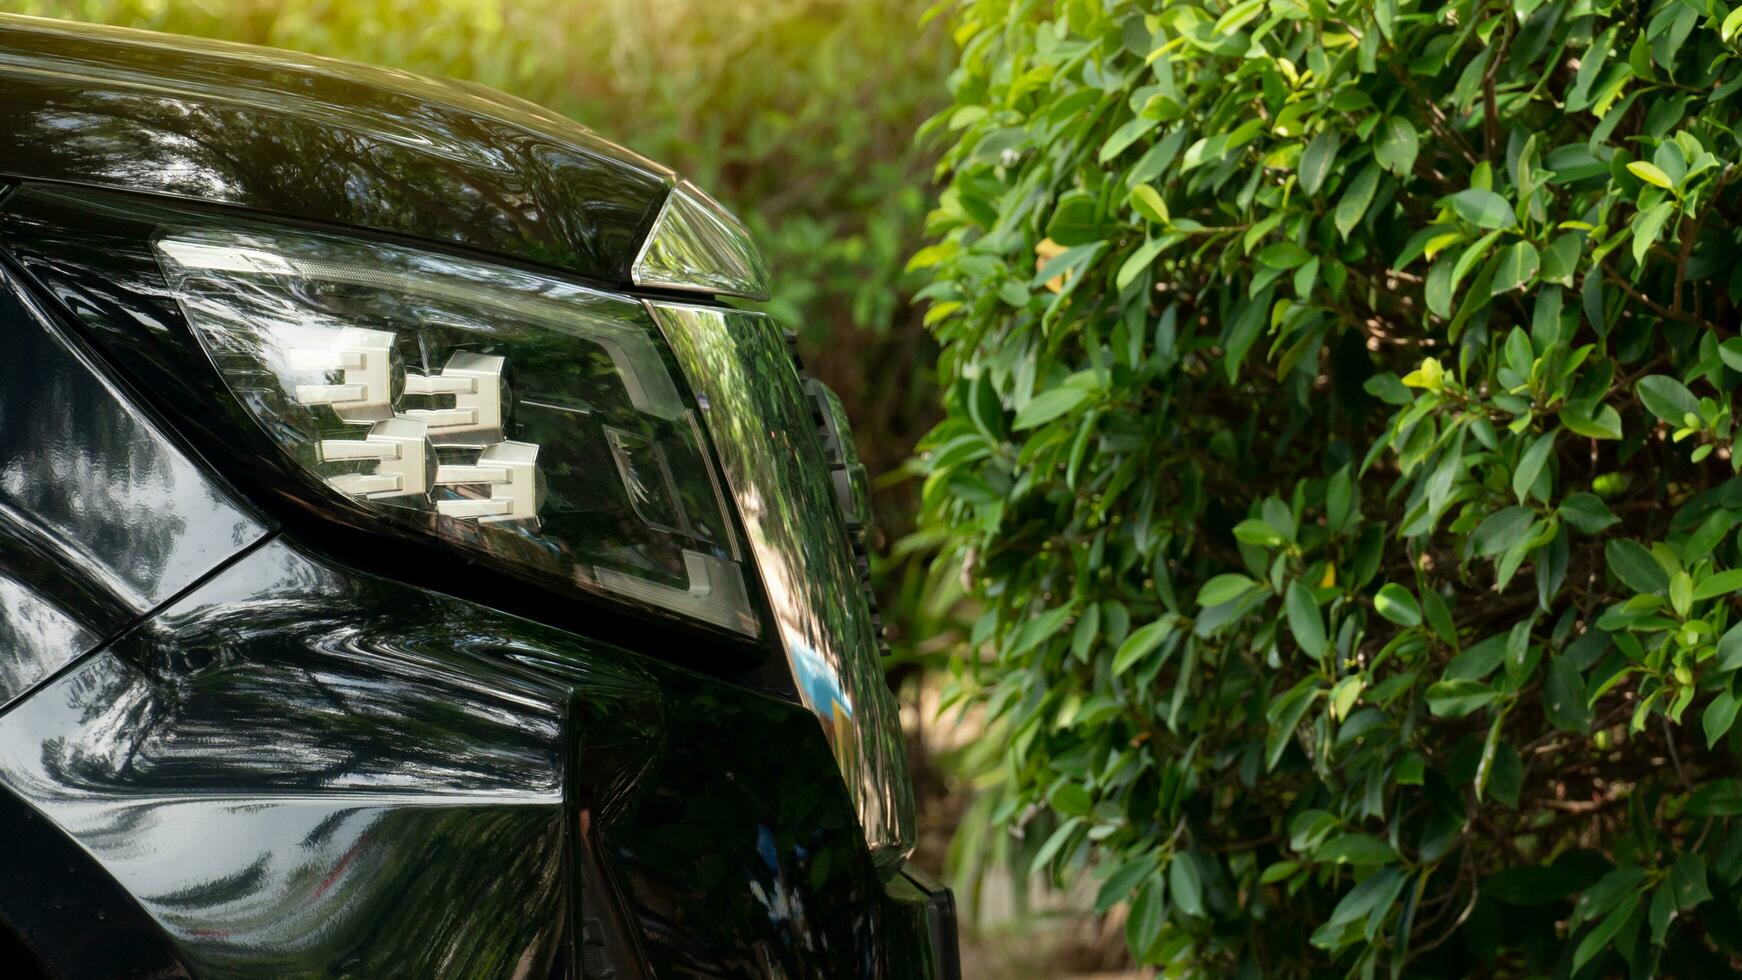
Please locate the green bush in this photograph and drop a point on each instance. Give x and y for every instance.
(1350, 491)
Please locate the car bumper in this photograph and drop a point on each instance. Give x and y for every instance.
(273, 764)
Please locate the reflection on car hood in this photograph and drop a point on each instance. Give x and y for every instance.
(320, 140)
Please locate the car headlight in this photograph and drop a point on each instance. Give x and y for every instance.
(648, 453)
(518, 416)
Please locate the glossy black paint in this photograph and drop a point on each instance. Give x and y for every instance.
(277, 761)
(246, 743)
(101, 519)
(320, 140)
(88, 251)
(72, 918)
(262, 771)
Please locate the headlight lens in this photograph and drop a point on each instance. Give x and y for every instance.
(511, 414)
(698, 246)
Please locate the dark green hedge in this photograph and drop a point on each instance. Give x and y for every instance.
(1340, 444)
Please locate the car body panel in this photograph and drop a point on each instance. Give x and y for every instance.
(320, 140)
(283, 750)
(298, 768)
(101, 517)
(272, 742)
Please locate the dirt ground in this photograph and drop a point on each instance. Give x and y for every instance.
(1056, 937)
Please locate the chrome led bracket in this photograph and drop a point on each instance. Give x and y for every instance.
(365, 358)
(509, 471)
(404, 462)
(475, 383)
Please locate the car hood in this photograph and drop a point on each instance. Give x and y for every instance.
(320, 140)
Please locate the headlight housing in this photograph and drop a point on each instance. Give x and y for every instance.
(641, 452)
(531, 421)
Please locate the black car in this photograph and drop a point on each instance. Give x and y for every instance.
(414, 561)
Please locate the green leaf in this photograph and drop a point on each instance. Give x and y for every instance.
(1722, 583)
(1518, 265)
(1730, 351)
(1530, 465)
(1650, 174)
(1501, 529)
(1396, 604)
(1185, 884)
(1587, 513)
(1049, 405)
(1315, 162)
(1279, 871)
(1605, 423)
(1732, 24)
(1244, 333)
(1646, 227)
(1718, 798)
(1439, 617)
(1456, 699)
(1146, 201)
(1730, 649)
(1304, 621)
(1123, 881)
(1254, 531)
(1534, 885)
(1140, 643)
(1039, 628)
(1283, 255)
(1598, 938)
(1353, 204)
(1563, 697)
(1123, 137)
(1411, 770)
(1076, 220)
(1681, 593)
(1356, 849)
(1142, 259)
(1369, 900)
(1072, 800)
(1224, 588)
(1667, 398)
(1344, 695)
(1687, 881)
(1396, 145)
(1065, 265)
(1719, 716)
(1054, 844)
(1283, 715)
(1634, 566)
(1087, 630)
(1483, 208)
(1147, 916)
(1610, 892)
(1561, 259)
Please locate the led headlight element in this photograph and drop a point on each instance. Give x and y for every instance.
(529, 420)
